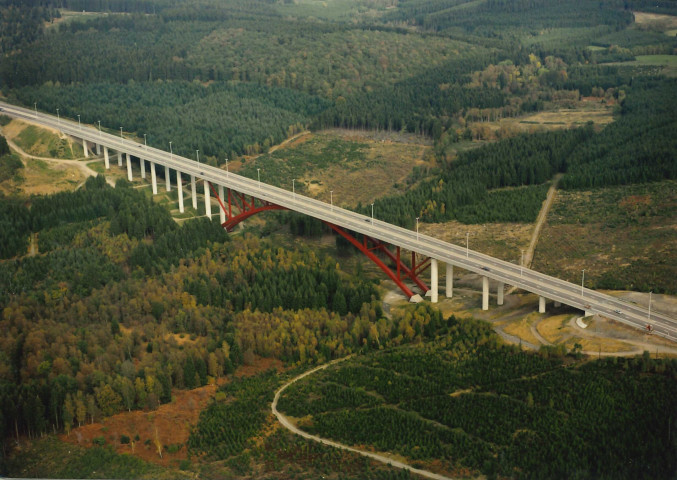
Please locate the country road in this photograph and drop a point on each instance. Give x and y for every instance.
(374, 456)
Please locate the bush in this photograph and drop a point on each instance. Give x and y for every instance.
(100, 441)
(124, 439)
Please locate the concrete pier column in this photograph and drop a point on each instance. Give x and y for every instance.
(153, 177)
(541, 304)
(193, 191)
(129, 167)
(179, 185)
(84, 146)
(98, 149)
(222, 213)
(142, 162)
(433, 281)
(119, 159)
(499, 293)
(105, 158)
(208, 201)
(485, 293)
(168, 179)
(450, 281)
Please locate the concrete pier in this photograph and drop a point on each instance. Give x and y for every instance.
(208, 201)
(485, 293)
(541, 304)
(105, 158)
(499, 293)
(179, 185)
(168, 179)
(153, 177)
(142, 162)
(450, 281)
(98, 149)
(193, 191)
(129, 167)
(433, 281)
(119, 159)
(84, 146)
(222, 213)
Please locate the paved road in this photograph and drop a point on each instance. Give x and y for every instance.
(380, 458)
(508, 273)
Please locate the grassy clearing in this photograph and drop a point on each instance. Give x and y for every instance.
(44, 143)
(522, 328)
(553, 328)
(356, 168)
(623, 236)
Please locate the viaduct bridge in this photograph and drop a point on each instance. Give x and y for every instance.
(239, 198)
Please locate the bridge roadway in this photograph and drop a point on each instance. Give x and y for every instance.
(590, 301)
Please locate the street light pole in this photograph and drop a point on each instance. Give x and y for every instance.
(35, 104)
(197, 152)
(293, 189)
(58, 118)
(258, 174)
(417, 229)
(122, 139)
(99, 128)
(582, 282)
(145, 140)
(171, 152)
(331, 199)
(522, 264)
(372, 214)
(227, 172)
(649, 307)
(79, 124)
(467, 240)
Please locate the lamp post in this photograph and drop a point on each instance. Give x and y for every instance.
(649, 318)
(197, 153)
(79, 124)
(258, 174)
(35, 104)
(293, 189)
(467, 239)
(99, 128)
(171, 152)
(58, 118)
(227, 172)
(372, 214)
(122, 139)
(417, 229)
(331, 199)
(522, 264)
(582, 282)
(145, 140)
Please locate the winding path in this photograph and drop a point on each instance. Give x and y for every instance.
(374, 456)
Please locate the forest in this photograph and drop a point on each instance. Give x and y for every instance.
(494, 409)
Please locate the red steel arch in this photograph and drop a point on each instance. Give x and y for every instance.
(249, 207)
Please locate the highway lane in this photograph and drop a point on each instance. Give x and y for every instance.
(506, 272)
